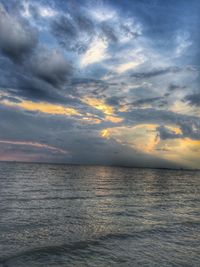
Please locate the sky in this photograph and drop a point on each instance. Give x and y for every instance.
(100, 82)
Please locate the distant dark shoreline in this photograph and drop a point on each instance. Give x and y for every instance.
(101, 165)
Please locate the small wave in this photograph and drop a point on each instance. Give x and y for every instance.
(76, 247)
(112, 195)
(48, 198)
(73, 248)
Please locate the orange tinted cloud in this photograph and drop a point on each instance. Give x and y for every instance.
(114, 119)
(142, 137)
(183, 150)
(105, 108)
(44, 107)
(145, 138)
(105, 133)
(34, 144)
(99, 104)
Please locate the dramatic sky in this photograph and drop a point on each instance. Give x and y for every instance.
(100, 82)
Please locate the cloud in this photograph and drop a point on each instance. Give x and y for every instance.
(154, 73)
(127, 66)
(43, 107)
(46, 11)
(109, 32)
(189, 125)
(25, 85)
(109, 82)
(33, 144)
(99, 105)
(174, 87)
(193, 99)
(150, 101)
(95, 53)
(51, 66)
(113, 100)
(64, 27)
(183, 43)
(17, 38)
(191, 128)
(82, 25)
(83, 143)
(74, 33)
(167, 133)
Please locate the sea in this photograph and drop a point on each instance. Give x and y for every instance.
(72, 215)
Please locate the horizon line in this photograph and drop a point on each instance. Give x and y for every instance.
(100, 165)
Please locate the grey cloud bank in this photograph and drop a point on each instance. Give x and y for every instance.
(70, 71)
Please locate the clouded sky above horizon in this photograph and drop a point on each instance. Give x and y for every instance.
(101, 82)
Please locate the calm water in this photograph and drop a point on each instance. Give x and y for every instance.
(56, 215)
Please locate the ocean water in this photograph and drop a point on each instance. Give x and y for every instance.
(59, 215)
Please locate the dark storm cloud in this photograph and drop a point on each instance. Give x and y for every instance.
(174, 87)
(86, 82)
(113, 100)
(140, 102)
(129, 31)
(69, 30)
(141, 92)
(51, 66)
(64, 27)
(191, 128)
(34, 89)
(23, 82)
(193, 99)
(165, 133)
(17, 38)
(154, 73)
(109, 32)
(87, 86)
(84, 23)
(40, 78)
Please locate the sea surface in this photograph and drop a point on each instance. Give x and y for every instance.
(59, 215)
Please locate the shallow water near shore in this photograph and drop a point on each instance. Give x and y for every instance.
(62, 215)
